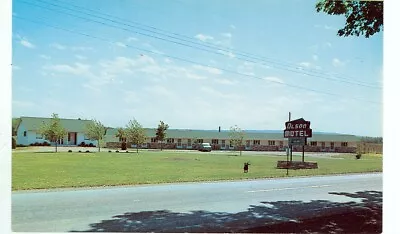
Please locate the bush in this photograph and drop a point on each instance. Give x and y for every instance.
(358, 156)
(91, 145)
(109, 151)
(79, 151)
(82, 144)
(123, 146)
(87, 151)
(116, 151)
(69, 151)
(127, 151)
(14, 143)
(46, 143)
(19, 145)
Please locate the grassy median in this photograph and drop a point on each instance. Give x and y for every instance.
(42, 170)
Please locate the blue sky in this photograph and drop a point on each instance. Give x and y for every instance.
(82, 77)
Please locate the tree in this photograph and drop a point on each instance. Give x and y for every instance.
(120, 134)
(14, 125)
(237, 136)
(135, 133)
(53, 131)
(362, 17)
(95, 130)
(161, 132)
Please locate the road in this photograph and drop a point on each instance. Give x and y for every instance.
(191, 207)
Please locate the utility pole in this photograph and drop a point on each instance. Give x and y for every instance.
(287, 154)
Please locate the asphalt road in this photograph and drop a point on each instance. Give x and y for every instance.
(192, 207)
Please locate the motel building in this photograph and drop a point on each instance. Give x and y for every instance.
(253, 141)
(28, 133)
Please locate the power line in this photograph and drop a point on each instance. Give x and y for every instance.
(187, 60)
(199, 48)
(190, 38)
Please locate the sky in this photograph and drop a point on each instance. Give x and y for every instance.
(195, 65)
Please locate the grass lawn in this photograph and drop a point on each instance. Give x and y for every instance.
(32, 170)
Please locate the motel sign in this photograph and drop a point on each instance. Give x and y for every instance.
(297, 128)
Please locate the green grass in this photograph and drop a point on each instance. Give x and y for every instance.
(62, 170)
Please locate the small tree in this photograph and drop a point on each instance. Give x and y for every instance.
(95, 130)
(161, 132)
(237, 136)
(135, 133)
(53, 131)
(120, 134)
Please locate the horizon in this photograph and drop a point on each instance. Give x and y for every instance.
(260, 66)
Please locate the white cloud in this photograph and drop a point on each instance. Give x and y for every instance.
(274, 79)
(211, 70)
(229, 53)
(80, 57)
(76, 69)
(81, 48)
(328, 44)
(305, 64)
(43, 56)
(203, 37)
(225, 81)
(315, 57)
(27, 44)
(232, 26)
(58, 46)
(228, 35)
(120, 44)
(130, 39)
(15, 67)
(337, 63)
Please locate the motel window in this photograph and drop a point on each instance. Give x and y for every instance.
(323, 144)
(214, 141)
(199, 141)
(231, 143)
(170, 140)
(313, 143)
(122, 139)
(332, 145)
(86, 138)
(223, 143)
(179, 142)
(39, 136)
(271, 142)
(153, 140)
(247, 143)
(281, 143)
(344, 144)
(256, 142)
(24, 133)
(189, 142)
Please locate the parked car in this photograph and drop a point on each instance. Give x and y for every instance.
(205, 147)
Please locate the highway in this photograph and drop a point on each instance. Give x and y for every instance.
(230, 206)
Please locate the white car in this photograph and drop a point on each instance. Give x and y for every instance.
(206, 147)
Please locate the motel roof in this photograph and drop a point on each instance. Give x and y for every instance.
(71, 125)
(211, 134)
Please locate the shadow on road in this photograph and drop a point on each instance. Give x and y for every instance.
(269, 217)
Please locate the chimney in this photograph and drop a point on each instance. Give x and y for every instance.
(219, 129)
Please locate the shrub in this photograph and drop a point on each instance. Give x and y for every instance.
(91, 145)
(358, 156)
(82, 144)
(127, 151)
(46, 143)
(116, 151)
(14, 143)
(69, 151)
(19, 145)
(123, 146)
(79, 151)
(109, 151)
(87, 151)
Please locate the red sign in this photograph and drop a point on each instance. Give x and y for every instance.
(297, 128)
